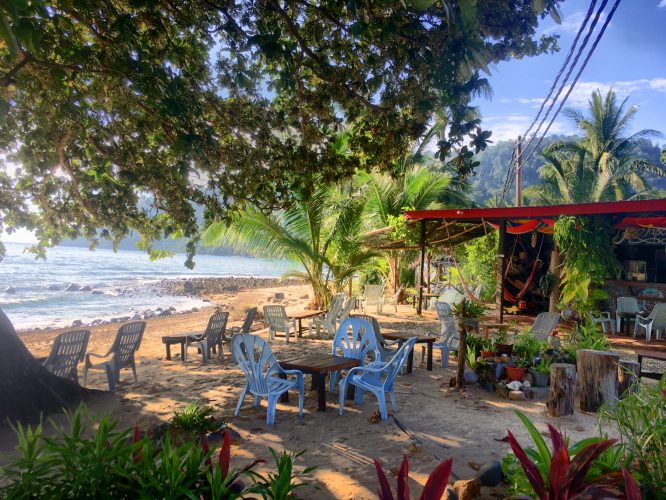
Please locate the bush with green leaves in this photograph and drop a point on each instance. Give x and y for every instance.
(585, 336)
(641, 420)
(476, 263)
(196, 418)
(96, 459)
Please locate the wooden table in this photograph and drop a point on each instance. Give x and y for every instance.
(661, 356)
(625, 319)
(301, 315)
(179, 338)
(318, 365)
(421, 339)
(427, 297)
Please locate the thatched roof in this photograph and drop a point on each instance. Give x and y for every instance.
(439, 233)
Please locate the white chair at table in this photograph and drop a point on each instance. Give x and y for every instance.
(278, 321)
(656, 321)
(344, 313)
(604, 319)
(448, 333)
(627, 305)
(327, 320)
(373, 295)
(393, 300)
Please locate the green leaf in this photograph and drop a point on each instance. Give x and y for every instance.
(7, 34)
(542, 447)
(422, 4)
(555, 15)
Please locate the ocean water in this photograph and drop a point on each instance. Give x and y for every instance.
(32, 292)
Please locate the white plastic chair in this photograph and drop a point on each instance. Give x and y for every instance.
(355, 338)
(655, 321)
(346, 310)
(387, 348)
(211, 339)
(68, 350)
(625, 305)
(278, 321)
(327, 321)
(373, 295)
(604, 319)
(544, 325)
(127, 342)
(393, 300)
(377, 378)
(448, 332)
(265, 377)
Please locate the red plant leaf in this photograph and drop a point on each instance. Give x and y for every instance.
(437, 481)
(403, 479)
(556, 438)
(385, 489)
(225, 454)
(631, 488)
(530, 469)
(559, 466)
(582, 462)
(597, 492)
(663, 393)
(136, 436)
(206, 450)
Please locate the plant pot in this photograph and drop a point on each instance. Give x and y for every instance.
(541, 379)
(487, 354)
(514, 373)
(504, 349)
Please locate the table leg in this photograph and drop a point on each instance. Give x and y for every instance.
(182, 351)
(429, 365)
(640, 366)
(168, 346)
(351, 392)
(300, 328)
(627, 326)
(320, 380)
(410, 361)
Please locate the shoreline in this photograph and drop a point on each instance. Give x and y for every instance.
(214, 291)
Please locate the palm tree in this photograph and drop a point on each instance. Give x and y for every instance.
(415, 188)
(321, 232)
(604, 165)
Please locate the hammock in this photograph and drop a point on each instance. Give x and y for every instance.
(508, 296)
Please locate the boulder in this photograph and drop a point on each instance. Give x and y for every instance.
(470, 377)
(72, 287)
(10, 289)
(304, 296)
(166, 312)
(517, 395)
(528, 377)
(53, 287)
(86, 288)
(467, 489)
(188, 287)
(278, 296)
(77, 322)
(96, 292)
(490, 474)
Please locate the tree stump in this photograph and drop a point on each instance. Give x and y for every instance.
(563, 383)
(628, 374)
(597, 378)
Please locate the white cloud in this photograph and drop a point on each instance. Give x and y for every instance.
(583, 90)
(662, 4)
(509, 127)
(571, 23)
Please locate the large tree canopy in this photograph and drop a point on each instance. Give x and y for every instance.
(127, 114)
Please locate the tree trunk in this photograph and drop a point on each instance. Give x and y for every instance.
(627, 374)
(462, 351)
(597, 378)
(562, 390)
(554, 269)
(27, 389)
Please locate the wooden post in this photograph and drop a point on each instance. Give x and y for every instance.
(562, 390)
(501, 266)
(597, 378)
(628, 374)
(428, 271)
(422, 265)
(554, 269)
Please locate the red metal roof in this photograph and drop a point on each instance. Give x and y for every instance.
(605, 207)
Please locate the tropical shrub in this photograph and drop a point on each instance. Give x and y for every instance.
(641, 420)
(280, 485)
(97, 460)
(477, 262)
(585, 336)
(433, 489)
(567, 473)
(196, 418)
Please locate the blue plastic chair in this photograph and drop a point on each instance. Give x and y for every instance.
(355, 338)
(265, 377)
(377, 378)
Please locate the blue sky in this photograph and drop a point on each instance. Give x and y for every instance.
(631, 58)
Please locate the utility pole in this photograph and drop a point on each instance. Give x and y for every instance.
(519, 162)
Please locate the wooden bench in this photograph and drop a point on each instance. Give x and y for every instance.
(661, 356)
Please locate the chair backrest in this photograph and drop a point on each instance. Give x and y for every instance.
(275, 316)
(445, 315)
(452, 296)
(249, 320)
(373, 293)
(256, 359)
(627, 305)
(659, 315)
(217, 325)
(341, 296)
(544, 325)
(395, 363)
(477, 291)
(344, 312)
(337, 302)
(128, 340)
(443, 310)
(68, 350)
(375, 327)
(356, 338)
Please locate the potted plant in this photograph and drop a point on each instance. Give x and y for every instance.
(517, 372)
(500, 342)
(541, 372)
(487, 348)
(467, 313)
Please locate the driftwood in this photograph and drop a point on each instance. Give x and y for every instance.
(562, 397)
(628, 374)
(597, 378)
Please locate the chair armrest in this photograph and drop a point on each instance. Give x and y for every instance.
(644, 318)
(292, 372)
(91, 354)
(391, 342)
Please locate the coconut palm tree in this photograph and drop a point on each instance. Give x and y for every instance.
(604, 165)
(321, 232)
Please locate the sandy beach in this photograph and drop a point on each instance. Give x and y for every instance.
(437, 422)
